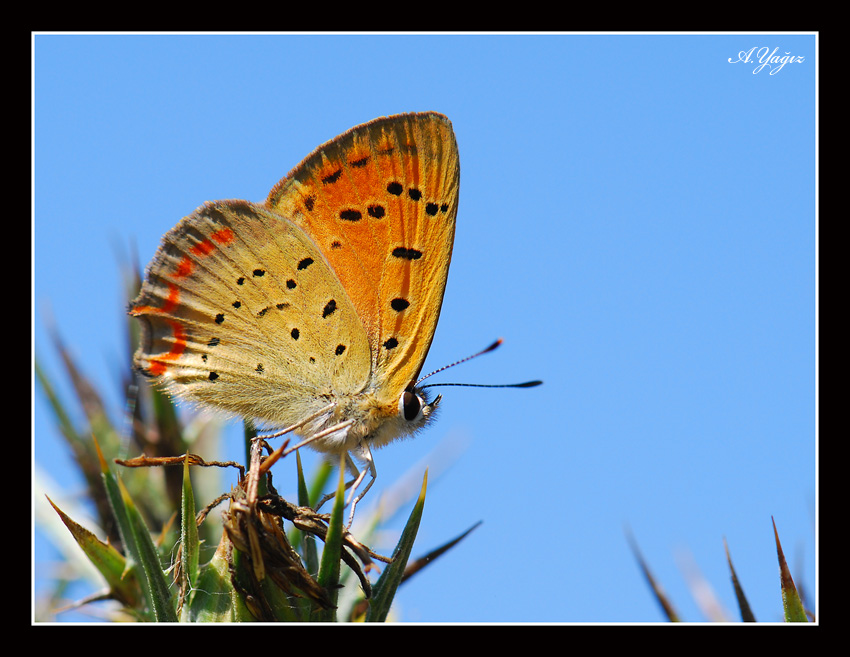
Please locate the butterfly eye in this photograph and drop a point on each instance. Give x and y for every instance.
(410, 405)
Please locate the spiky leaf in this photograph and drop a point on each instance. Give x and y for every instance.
(385, 588)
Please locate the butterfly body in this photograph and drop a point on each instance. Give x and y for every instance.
(315, 310)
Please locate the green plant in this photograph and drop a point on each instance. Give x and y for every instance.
(792, 602)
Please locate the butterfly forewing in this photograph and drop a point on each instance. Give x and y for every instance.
(380, 201)
(240, 310)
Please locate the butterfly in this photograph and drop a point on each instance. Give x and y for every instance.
(314, 311)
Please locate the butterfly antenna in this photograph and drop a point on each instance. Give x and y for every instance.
(462, 360)
(527, 384)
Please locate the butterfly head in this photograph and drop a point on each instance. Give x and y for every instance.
(377, 420)
(414, 408)
(388, 422)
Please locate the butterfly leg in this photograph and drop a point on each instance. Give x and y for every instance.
(357, 478)
(359, 475)
(366, 454)
(300, 424)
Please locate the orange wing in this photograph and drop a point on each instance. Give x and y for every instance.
(380, 201)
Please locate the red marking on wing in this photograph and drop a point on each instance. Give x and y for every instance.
(170, 304)
(159, 364)
(172, 300)
(184, 268)
(203, 249)
(224, 236)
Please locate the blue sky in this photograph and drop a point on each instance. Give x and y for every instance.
(637, 220)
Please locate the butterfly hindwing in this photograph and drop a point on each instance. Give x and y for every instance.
(241, 310)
